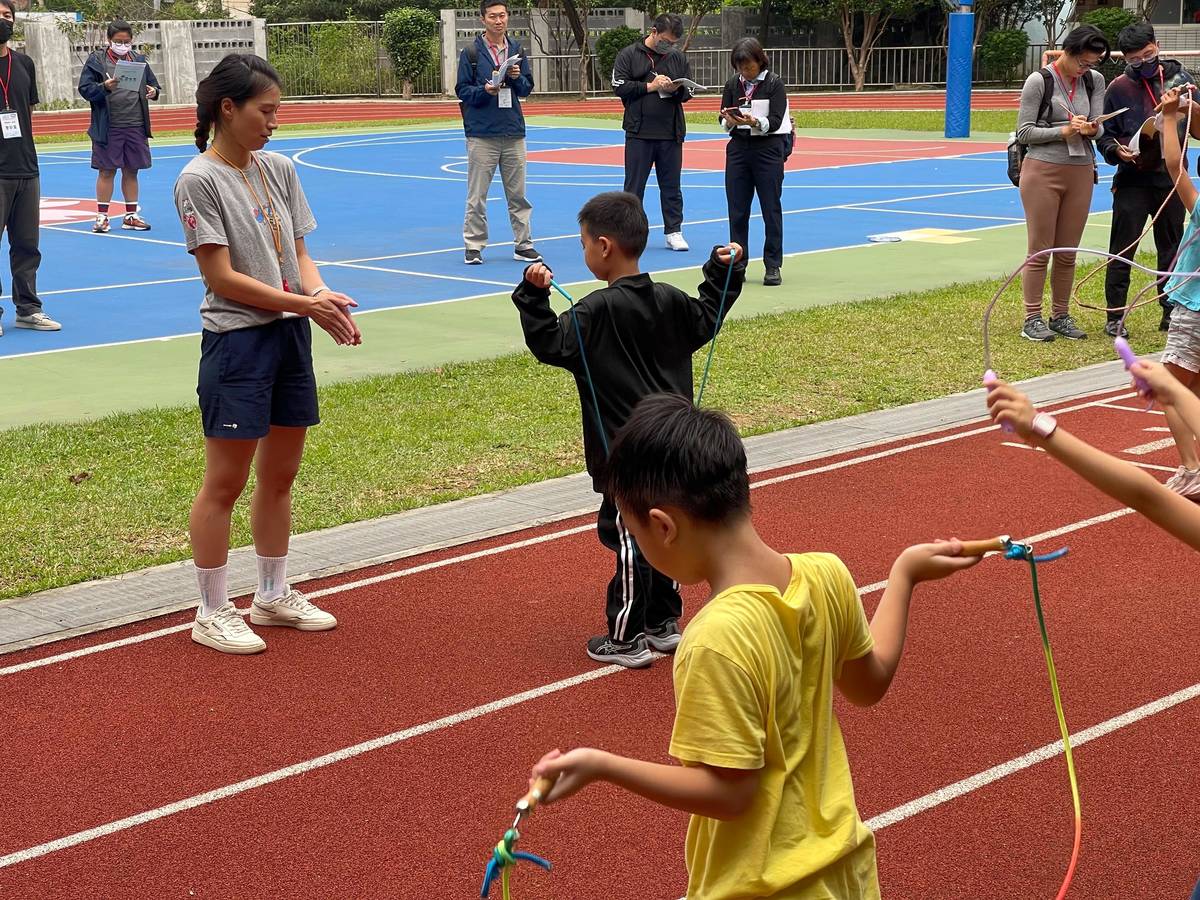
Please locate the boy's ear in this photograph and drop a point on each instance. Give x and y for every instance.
(663, 526)
(606, 246)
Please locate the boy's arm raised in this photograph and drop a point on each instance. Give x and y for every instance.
(1173, 150)
(1120, 480)
(865, 680)
(702, 321)
(700, 790)
(550, 338)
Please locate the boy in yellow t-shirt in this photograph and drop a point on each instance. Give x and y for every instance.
(765, 773)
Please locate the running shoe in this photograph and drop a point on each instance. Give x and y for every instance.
(38, 322)
(630, 654)
(528, 255)
(291, 610)
(227, 631)
(675, 241)
(1066, 327)
(134, 222)
(1035, 330)
(665, 637)
(101, 225)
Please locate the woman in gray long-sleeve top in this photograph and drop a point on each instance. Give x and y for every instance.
(1059, 173)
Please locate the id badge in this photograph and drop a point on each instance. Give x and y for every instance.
(505, 97)
(10, 125)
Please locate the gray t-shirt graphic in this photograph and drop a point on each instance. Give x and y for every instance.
(216, 207)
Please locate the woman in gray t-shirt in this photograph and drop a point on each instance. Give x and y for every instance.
(1059, 172)
(245, 216)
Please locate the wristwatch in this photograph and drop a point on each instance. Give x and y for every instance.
(1044, 424)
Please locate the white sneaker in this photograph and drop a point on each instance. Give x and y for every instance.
(291, 610)
(227, 631)
(675, 241)
(38, 322)
(1190, 485)
(1176, 481)
(101, 225)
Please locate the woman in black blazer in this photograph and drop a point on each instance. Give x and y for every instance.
(754, 110)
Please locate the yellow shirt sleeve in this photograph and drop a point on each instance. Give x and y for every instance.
(720, 717)
(854, 638)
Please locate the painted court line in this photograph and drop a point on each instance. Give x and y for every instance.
(1150, 447)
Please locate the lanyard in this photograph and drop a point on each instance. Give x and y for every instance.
(272, 218)
(1162, 87)
(1074, 83)
(653, 64)
(749, 88)
(496, 58)
(116, 59)
(8, 79)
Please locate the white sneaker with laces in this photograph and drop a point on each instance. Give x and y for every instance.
(227, 631)
(675, 241)
(38, 322)
(291, 610)
(1190, 486)
(101, 225)
(1177, 480)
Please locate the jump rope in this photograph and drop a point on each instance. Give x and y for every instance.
(505, 855)
(1126, 354)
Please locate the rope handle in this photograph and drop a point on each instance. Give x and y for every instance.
(988, 545)
(541, 788)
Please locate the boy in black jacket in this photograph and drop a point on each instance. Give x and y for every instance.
(1141, 184)
(638, 338)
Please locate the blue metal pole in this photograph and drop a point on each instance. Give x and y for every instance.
(959, 71)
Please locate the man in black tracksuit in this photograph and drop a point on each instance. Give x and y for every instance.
(638, 338)
(654, 122)
(1141, 184)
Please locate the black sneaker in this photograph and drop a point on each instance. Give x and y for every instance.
(528, 255)
(1111, 329)
(665, 637)
(772, 278)
(1035, 330)
(1065, 325)
(630, 654)
(473, 257)
(1164, 324)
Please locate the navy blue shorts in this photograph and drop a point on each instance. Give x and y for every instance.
(253, 378)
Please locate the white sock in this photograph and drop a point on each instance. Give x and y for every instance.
(213, 591)
(272, 577)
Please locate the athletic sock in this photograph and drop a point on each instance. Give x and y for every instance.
(272, 577)
(213, 590)
(102, 208)
(130, 208)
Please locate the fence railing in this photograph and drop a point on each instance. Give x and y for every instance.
(340, 59)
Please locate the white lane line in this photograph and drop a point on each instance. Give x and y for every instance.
(862, 207)
(1041, 754)
(1020, 446)
(1141, 465)
(555, 535)
(504, 284)
(891, 817)
(1159, 428)
(1136, 409)
(110, 236)
(1143, 449)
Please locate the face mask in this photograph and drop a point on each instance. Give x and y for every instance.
(6, 28)
(664, 46)
(1146, 67)
(120, 49)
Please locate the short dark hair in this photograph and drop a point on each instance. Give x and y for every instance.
(116, 26)
(240, 77)
(1133, 38)
(668, 23)
(748, 50)
(485, 5)
(672, 453)
(12, 6)
(1087, 39)
(618, 216)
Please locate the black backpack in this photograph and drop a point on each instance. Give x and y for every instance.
(1017, 150)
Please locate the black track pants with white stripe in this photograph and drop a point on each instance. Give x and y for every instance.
(638, 596)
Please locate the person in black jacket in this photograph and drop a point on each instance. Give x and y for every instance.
(20, 179)
(636, 338)
(1141, 183)
(754, 110)
(120, 129)
(654, 122)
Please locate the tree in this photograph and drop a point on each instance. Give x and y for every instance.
(1001, 52)
(1110, 20)
(862, 24)
(410, 36)
(1047, 13)
(577, 12)
(612, 42)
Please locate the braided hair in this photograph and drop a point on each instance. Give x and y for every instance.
(239, 76)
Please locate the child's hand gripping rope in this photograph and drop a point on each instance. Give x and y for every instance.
(505, 855)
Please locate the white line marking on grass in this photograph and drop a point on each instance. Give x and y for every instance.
(1041, 754)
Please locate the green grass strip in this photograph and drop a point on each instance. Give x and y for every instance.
(108, 496)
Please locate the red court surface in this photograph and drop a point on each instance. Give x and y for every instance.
(412, 726)
(293, 112)
(809, 153)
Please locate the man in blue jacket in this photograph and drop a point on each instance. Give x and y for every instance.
(120, 129)
(490, 100)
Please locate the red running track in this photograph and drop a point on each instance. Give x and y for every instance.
(102, 737)
(174, 118)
